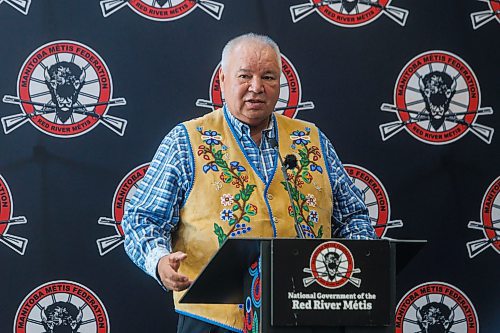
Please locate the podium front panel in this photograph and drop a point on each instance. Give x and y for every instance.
(318, 282)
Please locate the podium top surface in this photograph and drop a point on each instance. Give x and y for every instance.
(220, 282)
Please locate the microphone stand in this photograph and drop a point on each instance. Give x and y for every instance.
(284, 167)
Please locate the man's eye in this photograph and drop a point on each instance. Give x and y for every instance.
(269, 77)
(244, 76)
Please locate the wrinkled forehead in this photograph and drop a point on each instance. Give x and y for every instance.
(250, 52)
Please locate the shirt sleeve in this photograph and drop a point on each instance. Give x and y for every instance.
(350, 215)
(153, 212)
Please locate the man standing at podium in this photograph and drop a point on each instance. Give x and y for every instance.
(219, 176)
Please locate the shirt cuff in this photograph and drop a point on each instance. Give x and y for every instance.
(152, 260)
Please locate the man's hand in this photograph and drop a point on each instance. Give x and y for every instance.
(167, 271)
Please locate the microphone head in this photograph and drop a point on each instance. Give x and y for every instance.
(290, 161)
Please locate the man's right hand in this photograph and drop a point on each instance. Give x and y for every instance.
(167, 271)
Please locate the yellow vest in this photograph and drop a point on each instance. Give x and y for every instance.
(229, 199)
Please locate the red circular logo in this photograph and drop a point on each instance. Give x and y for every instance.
(332, 265)
(162, 10)
(350, 13)
(436, 307)
(7, 219)
(490, 214)
(495, 8)
(125, 192)
(375, 198)
(437, 97)
(65, 89)
(64, 305)
(5, 206)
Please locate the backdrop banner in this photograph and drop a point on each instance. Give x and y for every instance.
(407, 91)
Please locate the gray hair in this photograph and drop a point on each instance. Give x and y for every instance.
(263, 39)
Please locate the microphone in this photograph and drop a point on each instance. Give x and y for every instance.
(290, 162)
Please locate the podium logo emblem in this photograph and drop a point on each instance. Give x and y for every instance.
(490, 222)
(64, 89)
(331, 266)
(289, 100)
(61, 306)
(436, 307)
(437, 100)
(124, 192)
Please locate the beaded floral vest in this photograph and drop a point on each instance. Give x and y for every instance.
(230, 199)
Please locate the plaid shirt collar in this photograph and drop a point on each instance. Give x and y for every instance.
(241, 129)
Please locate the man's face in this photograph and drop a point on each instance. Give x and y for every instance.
(251, 85)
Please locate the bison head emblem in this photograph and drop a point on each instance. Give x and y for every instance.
(435, 318)
(61, 317)
(64, 80)
(437, 89)
(332, 262)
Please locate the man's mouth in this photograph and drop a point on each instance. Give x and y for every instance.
(254, 103)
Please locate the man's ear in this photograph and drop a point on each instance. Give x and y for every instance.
(221, 79)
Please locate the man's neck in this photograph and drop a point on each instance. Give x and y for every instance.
(256, 132)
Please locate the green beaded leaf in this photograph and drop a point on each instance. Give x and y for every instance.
(284, 185)
(303, 153)
(247, 192)
(306, 177)
(246, 218)
(228, 176)
(221, 236)
(320, 232)
(295, 193)
(250, 210)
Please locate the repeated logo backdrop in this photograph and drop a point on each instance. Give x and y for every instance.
(427, 165)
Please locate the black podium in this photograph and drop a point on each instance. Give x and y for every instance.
(303, 285)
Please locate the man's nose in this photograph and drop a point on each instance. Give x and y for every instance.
(256, 85)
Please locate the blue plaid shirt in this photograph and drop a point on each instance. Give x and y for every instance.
(153, 213)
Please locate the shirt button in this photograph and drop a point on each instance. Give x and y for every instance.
(275, 219)
(270, 196)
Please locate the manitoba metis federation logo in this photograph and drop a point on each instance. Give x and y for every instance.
(436, 307)
(437, 100)
(490, 222)
(123, 194)
(61, 306)
(331, 266)
(349, 13)
(289, 100)
(375, 197)
(481, 18)
(22, 6)
(163, 10)
(7, 219)
(64, 89)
